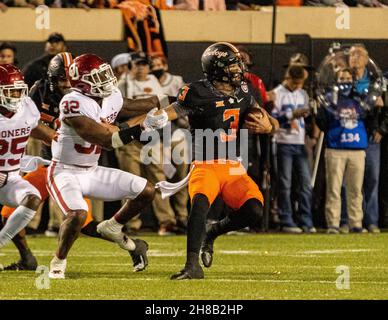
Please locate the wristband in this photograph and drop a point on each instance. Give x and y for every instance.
(125, 135)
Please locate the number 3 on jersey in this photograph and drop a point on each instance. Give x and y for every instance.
(235, 115)
(70, 106)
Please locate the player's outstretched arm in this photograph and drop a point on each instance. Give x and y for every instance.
(109, 136)
(92, 131)
(135, 107)
(44, 133)
(171, 113)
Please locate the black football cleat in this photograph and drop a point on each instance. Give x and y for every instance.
(28, 264)
(207, 252)
(188, 273)
(139, 255)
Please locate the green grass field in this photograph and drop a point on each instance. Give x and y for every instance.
(264, 266)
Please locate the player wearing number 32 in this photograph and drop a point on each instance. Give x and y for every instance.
(19, 119)
(85, 116)
(222, 104)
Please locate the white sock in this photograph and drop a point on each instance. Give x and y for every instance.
(56, 260)
(16, 222)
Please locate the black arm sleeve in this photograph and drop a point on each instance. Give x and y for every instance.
(128, 134)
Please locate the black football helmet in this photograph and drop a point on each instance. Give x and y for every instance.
(58, 70)
(216, 60)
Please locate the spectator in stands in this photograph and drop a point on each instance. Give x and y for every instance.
(253, 79)
(370, 3)
(290, 108)
(143, 85)
(346, 141)
(325, 3)
(246, 4)
(120, 64)
(140, 83)
(384, 164)
(170, 83)
(206, 5)
(8, 53)
(312, 131)
(358, 61)
(4, 4)
(37, 68)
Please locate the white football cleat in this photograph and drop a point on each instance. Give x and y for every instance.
(104, 228)
(57, 268)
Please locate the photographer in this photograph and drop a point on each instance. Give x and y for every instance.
(358, 62)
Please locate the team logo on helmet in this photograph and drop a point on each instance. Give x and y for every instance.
(216, 52)
(73, 72)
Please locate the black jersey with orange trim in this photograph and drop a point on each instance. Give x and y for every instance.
(212, 112)
(48, 105)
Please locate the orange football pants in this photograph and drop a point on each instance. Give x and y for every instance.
(225, 177)
(38, 180)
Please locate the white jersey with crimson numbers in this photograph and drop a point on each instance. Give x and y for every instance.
(14, 133)
(70, 148)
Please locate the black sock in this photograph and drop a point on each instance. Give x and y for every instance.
(196, 227)
(91, 230)
(249, 215)
(25, 253)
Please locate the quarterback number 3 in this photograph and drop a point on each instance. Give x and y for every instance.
(70, 106)
(235, 115)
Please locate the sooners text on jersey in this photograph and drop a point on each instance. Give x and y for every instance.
(14, 133)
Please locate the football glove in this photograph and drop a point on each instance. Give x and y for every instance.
(155, 121)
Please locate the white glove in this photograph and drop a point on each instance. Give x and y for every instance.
(153, 121)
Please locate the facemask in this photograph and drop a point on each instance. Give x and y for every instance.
(158, 73)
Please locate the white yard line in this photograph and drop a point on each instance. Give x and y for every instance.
(221, 280)
(160, 253)
(333, 251)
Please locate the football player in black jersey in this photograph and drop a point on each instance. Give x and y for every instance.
(220, 104)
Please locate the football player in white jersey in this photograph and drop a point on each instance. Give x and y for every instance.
(19, 119)
(86, 115)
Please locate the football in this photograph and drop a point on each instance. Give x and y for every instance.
(257, 121)
(254, 115)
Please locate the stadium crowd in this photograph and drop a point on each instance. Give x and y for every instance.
(349, 169)
(206, 5)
